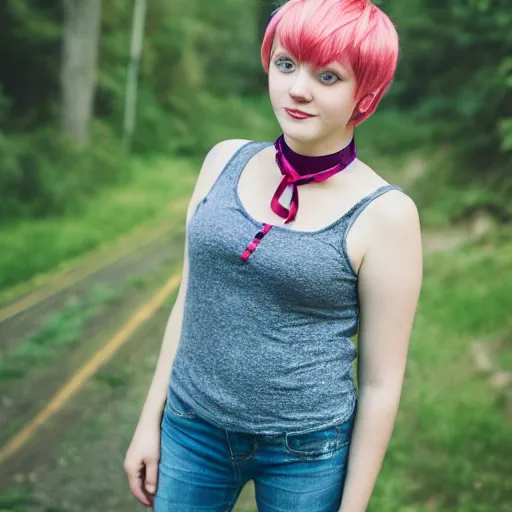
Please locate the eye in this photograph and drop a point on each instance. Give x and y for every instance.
(329, 78)
(284, 64)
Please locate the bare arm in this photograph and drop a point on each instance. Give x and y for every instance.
(389, 286)
(155, 401)
(143, 455)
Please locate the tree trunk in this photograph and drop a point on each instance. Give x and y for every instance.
(80, 42)
(139, 16)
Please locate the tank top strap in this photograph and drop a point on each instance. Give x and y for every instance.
(242, 156)
(228, 177)
(356, 210)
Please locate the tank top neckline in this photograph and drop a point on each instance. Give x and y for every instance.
(278, 227)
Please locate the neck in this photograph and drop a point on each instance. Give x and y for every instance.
(300, 169)
(304, 164)
(317, 148)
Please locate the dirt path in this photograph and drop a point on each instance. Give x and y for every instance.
(68, 327)
(75, 463)
(447, 240)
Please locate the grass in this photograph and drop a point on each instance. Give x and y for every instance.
(59, 329)
(15, 501)
(448, 451)
(387, 142)
(152, 185)
(450, 448)
(33, 247)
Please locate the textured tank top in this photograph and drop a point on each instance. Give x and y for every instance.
(265, 345)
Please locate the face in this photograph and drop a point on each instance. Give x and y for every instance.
(326, 94)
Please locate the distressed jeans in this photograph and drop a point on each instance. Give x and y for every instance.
(203, 467)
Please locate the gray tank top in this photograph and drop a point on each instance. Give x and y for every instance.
(265, 344)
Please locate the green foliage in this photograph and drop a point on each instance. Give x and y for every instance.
(17, 501)
(59, 329)
(456, 70)
(45, 174)
(155, 183)
(200, 67)
(29, 68)
(194, 131)
(505, 127)
(195, 54)
(198, 58)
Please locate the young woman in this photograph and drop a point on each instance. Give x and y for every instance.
(261, 385)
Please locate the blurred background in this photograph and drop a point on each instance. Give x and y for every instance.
(107, 109)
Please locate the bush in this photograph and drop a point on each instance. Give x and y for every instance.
(43, 174)
(196, 121)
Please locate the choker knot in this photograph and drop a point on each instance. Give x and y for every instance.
(306, 170)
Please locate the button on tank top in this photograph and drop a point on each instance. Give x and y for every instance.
(265, 345)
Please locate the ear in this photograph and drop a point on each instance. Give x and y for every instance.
(365, 104)
(362, 107)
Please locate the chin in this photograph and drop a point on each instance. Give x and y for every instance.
(299, 133)
(303, 136)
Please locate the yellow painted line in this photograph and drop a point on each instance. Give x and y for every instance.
(62, 282)
(144, 313)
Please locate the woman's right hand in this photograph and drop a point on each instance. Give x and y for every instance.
(141, 462)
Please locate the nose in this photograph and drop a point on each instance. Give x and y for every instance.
(299, 88)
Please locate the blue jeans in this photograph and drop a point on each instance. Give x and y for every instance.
(203, 467)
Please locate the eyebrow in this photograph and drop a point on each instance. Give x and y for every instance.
(335, 65)
(276, 49)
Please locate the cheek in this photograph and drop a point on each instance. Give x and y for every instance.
(337, 107)
(276, 86)
(334, 111)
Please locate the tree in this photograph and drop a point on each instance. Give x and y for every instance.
(139, 14)
(80, 41)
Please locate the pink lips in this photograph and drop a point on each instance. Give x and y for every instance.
(298, 114)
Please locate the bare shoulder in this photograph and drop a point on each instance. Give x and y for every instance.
(395, 206)
(389, 224)
(395, 223)
(221, 153)
(395, 209)
(392, 264)
(391, 209)
(396, 237)
(213, 164)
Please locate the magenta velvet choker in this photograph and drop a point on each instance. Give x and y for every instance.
(299, 170)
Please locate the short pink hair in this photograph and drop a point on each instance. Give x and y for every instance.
(353, 32)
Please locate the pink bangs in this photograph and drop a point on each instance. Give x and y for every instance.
(355, 33)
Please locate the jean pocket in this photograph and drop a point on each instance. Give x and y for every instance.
(320, 443)
(177, 407)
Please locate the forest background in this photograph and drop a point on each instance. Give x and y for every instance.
(74, 182)
(201, 81)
